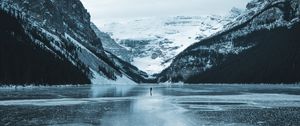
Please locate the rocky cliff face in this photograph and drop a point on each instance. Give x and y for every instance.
(57, 16)
(111, 45)
(237, 54)
(62, 27)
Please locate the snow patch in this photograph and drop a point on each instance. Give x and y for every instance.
(149, 65)
(98, 79)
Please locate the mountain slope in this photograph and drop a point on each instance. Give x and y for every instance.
(245, 53)
(113, 50)
(111, 45)
(275, 59)
(62, 27)
(22, 61)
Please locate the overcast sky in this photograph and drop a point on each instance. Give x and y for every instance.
(110, 9)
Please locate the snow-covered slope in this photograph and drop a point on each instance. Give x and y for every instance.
(259, 46)
(154, 41)
(62, 27)
(111, 45)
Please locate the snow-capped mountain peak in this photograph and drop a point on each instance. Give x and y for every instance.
(154, 41)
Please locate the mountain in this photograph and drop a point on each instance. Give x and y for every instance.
(113, 50)
(52, 42)
(260, 46)
(111, 45)
(23, 61)
(152, 42)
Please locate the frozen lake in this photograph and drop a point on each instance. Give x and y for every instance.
(180, 105)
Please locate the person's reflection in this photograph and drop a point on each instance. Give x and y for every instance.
(151, 91)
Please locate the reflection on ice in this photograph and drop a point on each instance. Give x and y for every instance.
(149, 110)
(109, 89)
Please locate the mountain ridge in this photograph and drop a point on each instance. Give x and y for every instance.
(212, 52)
(63, 27)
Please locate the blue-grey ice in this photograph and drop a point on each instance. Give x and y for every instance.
(133, 105)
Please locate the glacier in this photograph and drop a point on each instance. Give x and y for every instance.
(153, 42)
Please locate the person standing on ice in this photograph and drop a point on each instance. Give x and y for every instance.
(151, 91)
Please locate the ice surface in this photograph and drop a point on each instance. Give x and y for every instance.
(132, 105)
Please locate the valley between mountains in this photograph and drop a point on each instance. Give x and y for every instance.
(54, 42)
